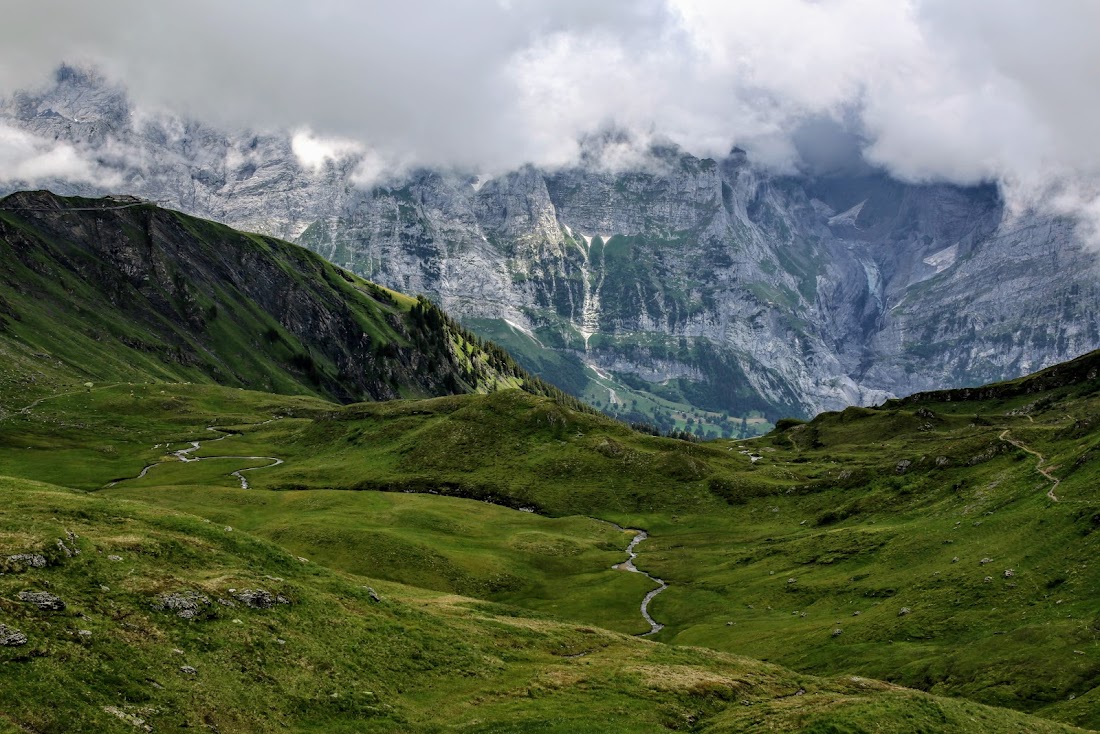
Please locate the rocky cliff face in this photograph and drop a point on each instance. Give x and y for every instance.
(695, 288)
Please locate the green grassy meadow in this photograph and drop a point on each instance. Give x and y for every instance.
(445, 564)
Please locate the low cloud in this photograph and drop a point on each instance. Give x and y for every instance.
(930, 90)
(314, 152)
(30, 160)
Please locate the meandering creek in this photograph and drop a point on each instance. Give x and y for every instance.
(185, 456)
(628, 565)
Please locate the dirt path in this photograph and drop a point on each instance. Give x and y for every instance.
(185, 456)
(628, 565)
(1039, 466)
(26, 409)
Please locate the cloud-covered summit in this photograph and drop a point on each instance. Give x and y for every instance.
(987, 90)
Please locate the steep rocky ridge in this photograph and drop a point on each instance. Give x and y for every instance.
(689, 282)
(119, 289)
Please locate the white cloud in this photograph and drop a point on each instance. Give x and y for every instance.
(986, 90)
(314, 152)
(31, 160)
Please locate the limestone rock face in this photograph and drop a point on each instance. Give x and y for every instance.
(709, 281)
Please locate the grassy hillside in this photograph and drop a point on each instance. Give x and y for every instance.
(825, 505)
(831, 504)
(115, 290)
(171, 622)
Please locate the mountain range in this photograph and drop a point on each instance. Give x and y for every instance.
(701, 294)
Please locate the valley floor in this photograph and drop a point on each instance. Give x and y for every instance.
(920, 546)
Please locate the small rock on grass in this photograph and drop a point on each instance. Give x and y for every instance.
(260, 599)
(185, 604)
(10, 637)
(44, 600)
(31, 560)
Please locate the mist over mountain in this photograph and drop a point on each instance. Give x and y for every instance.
(660, 287)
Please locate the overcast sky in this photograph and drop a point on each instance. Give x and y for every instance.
(955, 90)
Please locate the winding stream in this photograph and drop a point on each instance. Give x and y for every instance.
(185, 456)
(628, 565)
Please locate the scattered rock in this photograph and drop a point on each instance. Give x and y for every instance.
(188, 670)
(838, 632)
(856, 613)
(280, 641)
(903, 466)
(955, 559)
(373, 595)
(1009, 573)
(69, 552)
(10, 637)
(985, 561)
(987, 580)
(32, 560)
(303, 560)
(44, 600)
(792, 580)
(942, 461)
(128, 718)
(903, 611)
(185, 604)
(114, 558)
(84, 633)
(226, 602)
(228, 529)
(260, 599)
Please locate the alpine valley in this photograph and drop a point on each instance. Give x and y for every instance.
(694, 294)
(245, 490)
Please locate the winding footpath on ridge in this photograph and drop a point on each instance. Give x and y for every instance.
(185, 456)
(628, 565)
(1039, 466)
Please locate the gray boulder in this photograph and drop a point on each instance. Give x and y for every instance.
(10, 637)
(44, 600)
(185, 604)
